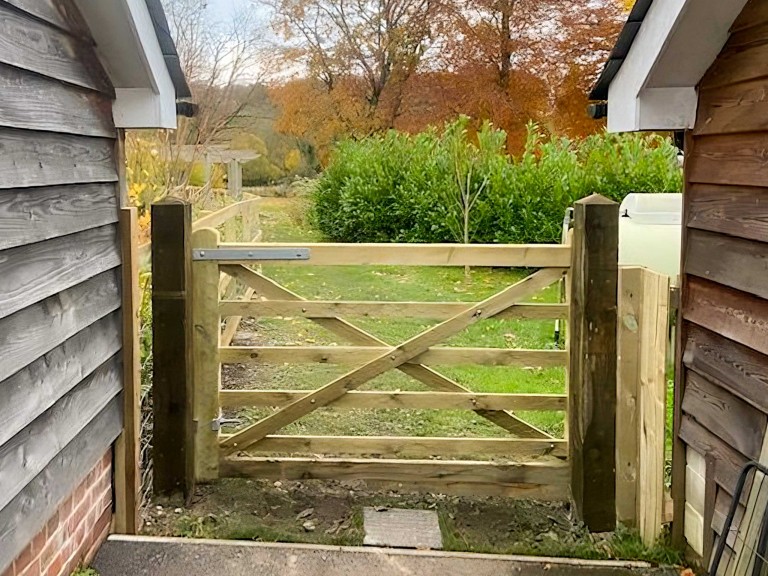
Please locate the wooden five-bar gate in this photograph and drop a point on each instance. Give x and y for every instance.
(527, 462)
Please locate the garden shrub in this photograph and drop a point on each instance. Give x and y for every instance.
(398, 187)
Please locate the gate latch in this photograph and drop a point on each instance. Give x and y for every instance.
(220, 422)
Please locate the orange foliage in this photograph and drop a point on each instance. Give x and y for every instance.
(507, 61)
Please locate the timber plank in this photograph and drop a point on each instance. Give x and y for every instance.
(127, 460)
(32, 102)
(733, 210)
(739, 369)
(530, 480)
(754, 13)
(49, 488)
(34, 331)
(725, 415)
(413, 447)
(328, 254)
(731, 159)
(34, 46)
(593, 357)
(728, 461)
(30, 451)
(34, 272)
(741, 107)
(332, 309)
(50, 11)
(206, 365)
(736, 64)
(34, 389)
(740, 264)
(409, 400)
(440, 356)
(433, 379)
(35, 214)
(49, 159)
(735, 315)
(391, 359)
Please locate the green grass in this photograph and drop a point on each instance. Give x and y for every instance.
(283, 220)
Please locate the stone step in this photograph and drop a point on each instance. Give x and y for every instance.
(146, 556)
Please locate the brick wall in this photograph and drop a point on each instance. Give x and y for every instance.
(71, 537)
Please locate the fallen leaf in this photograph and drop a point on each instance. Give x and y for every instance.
(305, 513)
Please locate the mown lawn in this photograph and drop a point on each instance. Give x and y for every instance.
(284, 220)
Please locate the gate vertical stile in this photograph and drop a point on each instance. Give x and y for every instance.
(206, 326)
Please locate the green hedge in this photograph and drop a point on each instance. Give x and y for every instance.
(412, 188)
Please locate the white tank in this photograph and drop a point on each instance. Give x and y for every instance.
(650, 232)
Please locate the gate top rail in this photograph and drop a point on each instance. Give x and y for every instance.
(500, 255)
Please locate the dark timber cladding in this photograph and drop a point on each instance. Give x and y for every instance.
(722, 389)
(60, 326)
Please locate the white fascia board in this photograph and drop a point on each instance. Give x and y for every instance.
(655, 88)
(127, 44)
(624, 98)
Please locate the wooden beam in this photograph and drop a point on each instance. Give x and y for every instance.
(31, 45)
(171, 344)
(47, 324)
(538, 480)
(411, 447)
(392, 359)
(54, 374)
(431, 378)
(442, 356)
(36, 271)
(514, 256)
(29, 215)
(334, 309)
(51, 159)
(27, 453)
(216, 219)
(232, 323)
(128, 446)
(206, 371)
(33, 102)
(409, 400)
(593, 361)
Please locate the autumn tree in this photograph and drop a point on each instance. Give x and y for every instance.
(356, 56)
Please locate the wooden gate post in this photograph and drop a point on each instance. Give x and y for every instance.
(171, 341)
(206, 329)
(593, 361)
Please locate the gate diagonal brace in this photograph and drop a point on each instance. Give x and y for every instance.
(424, 374)
(393, 358)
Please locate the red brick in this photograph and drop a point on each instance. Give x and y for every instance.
(32, 570)
(55, 542)
(78, 515)
(56, 567)
(53, 523)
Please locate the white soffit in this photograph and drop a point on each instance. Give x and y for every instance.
(655, 89)
(128, 48)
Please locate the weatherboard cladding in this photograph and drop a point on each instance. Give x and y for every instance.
(60, 329)
(723, 386)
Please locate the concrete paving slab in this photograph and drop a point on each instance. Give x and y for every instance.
(399, 528)
(146, 556)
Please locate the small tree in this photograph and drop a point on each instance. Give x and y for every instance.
(469, 165)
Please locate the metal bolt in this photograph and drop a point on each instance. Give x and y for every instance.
(312, 401)
(202, 252)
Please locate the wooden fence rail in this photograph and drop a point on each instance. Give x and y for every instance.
(581, 466)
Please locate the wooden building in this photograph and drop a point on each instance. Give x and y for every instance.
(73, 75)
(701, 67)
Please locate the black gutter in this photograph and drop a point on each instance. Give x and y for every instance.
(619, 53)
(183, 94)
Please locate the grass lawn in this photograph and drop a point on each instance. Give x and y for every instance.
(284, 220)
